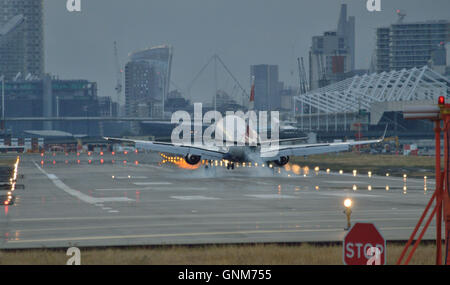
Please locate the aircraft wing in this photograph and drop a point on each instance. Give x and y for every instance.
(206, 152)
(309, 149)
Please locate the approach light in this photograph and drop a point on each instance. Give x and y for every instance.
(348, 203)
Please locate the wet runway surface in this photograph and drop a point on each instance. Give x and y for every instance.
(102, 200)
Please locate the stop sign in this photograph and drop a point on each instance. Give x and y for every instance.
(364, 245)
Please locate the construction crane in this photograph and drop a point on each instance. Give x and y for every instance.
(401, 15)
(303, 82)
(119, 72)
(323, 81)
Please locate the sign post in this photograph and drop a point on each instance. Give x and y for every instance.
(364, 245)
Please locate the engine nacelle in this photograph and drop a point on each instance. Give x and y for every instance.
(282, 161)
(192, 159)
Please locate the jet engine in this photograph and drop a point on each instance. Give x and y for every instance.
(282, 161)
(192, 159)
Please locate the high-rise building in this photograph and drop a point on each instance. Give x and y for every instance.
(408, 45)
(147, 78)
(23, 49)
(332, 55)
(267, 87)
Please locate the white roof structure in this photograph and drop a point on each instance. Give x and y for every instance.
(359, 92)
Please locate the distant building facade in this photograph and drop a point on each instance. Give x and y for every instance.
(332, 55)
(22, 51)
(147, 79)
(267, 87)
(51, 97)
(407, 45)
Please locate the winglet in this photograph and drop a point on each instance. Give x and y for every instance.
(384, 135)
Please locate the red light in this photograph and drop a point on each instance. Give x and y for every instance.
(441, 100)
(113, 153)
(125, 152)
(101, 153)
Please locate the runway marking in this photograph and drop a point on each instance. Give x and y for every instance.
(240, 223)
(194, 198)
(345, 182)
(122, 189)
(113, 211)
(239, 215)
(131, 177)
(351, 194)
(154, 189)
(83, 197)
(151, 183)
(67, 239)
(271, 196)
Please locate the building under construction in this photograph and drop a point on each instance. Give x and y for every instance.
(332, 55)
(407, 45)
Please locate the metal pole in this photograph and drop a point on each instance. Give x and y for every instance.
(437, 135)
(3, 102)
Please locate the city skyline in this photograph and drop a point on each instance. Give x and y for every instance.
(238, 32)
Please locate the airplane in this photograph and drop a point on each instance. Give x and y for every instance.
(195, 153)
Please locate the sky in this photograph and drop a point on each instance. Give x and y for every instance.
(79, 45)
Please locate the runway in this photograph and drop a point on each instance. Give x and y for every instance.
(105, 200)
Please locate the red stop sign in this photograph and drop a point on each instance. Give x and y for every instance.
(364, 245)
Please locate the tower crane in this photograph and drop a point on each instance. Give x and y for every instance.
(119, 72)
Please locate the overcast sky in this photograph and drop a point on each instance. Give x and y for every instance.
(243, 32)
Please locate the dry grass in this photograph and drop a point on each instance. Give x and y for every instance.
(414, 166)
(304, 254)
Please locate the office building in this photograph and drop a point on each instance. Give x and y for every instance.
(267, 87)
(147, 79)
(52, 97)
(22, 50)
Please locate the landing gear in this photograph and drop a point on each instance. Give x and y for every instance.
(230, 165)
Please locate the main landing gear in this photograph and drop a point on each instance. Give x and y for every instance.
(230, 165)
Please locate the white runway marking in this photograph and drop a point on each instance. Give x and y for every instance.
(161, 188)
(351, 194)
(151, 183)
(345, 182)
(271, 196)
(131, 177)
(122, 189)
(83, 197)
(193, 198)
